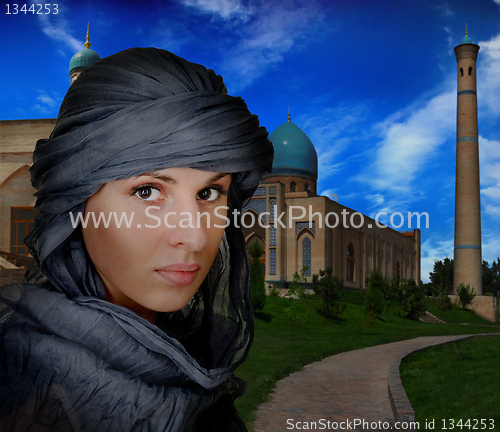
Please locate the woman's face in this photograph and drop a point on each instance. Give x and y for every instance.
(172, 223)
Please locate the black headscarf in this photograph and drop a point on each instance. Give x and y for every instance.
(138, 111)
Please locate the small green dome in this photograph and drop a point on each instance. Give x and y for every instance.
(83, 59)
(294, 153)
(466, 40)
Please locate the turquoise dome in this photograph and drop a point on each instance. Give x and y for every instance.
(83, 59)
(466, 40)
(294, 153)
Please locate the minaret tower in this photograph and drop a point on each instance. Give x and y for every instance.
(467, 265)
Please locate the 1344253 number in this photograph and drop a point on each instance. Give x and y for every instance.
(471, 424)
(35, 9)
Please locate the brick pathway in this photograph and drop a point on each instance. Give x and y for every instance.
(351, 385)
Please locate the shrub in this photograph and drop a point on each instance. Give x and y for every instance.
(328, 288)
(444, 299)
(258, 283)
(466, 295)
(375, 295)
(410, 299)
(273, 291)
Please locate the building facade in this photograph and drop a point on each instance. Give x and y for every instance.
(302, 230)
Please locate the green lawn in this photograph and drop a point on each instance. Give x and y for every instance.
(274, 355)
(453, 315)
(460, 380)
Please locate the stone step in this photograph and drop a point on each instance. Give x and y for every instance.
(429, 318)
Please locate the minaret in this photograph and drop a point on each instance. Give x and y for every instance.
(467, 265)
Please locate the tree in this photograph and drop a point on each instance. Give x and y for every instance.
(442, 274)
(258, 284)
(491, 277)
(410, 299)
(466, 295)
(375, 295)
(328, 288)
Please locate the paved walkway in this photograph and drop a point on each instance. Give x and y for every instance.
(353, 385)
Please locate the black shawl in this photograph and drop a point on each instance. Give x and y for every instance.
(71, 361)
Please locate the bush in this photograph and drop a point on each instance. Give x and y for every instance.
(466, 295)
(410, 299)
(273, 291)
(328, 288)
(258, 283)
(375, 295)
(444, 299)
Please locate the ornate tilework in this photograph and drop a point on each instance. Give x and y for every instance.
(272, 190)
(300, 225)
(272, 206)
(466, 92)
(273, 236)
(467, 138)
(306, 255)
(272, 270)
(260, 191)
(258, 206)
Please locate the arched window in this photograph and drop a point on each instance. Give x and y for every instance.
(272, 206)
(462, 71)
(350, 263)
(306, 255)
(22, 222)
(273, 236)
(470, 70)
(292, 186)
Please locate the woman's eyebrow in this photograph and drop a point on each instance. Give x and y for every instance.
(163, 178)
(170, 180)
(216, 177)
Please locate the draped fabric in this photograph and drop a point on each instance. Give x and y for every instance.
(70, 359)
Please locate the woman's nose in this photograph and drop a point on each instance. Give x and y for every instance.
(190, 227)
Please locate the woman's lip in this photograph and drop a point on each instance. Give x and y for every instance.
(180, 267)
(179, 274)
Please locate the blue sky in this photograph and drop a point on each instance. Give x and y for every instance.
(372, 83)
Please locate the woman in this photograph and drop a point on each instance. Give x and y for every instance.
(135, 327)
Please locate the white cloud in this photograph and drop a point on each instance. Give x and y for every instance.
(327, 127)
(57, 28)
(47, 100)
(489, 160)
(488, 78)
(225, 9)
(409, 140)
(497, 2)
(47, 105)
(265, 39)
(491, 246)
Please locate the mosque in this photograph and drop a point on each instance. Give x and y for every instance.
(297, 228)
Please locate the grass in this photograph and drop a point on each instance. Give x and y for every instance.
(455, 381)
(274, 355)
(453, 315)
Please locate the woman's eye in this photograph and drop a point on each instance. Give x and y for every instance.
(208, 194)
(148, 193)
